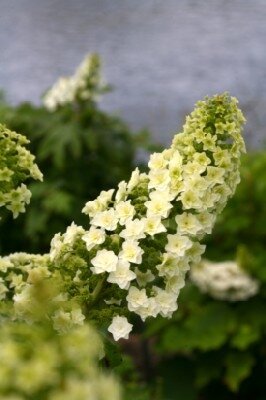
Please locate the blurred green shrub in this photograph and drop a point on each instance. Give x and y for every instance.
(80, 150)
(222, 344)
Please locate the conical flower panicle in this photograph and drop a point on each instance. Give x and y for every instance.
(143, 237)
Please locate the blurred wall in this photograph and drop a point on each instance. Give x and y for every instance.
(161, 56)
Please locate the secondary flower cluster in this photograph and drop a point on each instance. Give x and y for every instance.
(19, 270)
(85, 85)
(26, 280)
(37, 363)
(16, 166)
(144, 237)
(224, 280)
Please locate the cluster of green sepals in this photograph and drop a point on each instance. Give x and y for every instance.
(16, 167)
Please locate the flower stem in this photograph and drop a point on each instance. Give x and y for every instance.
(96, 292)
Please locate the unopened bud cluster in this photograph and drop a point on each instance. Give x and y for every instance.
(16, 166)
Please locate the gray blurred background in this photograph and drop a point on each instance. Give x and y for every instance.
(160, 56)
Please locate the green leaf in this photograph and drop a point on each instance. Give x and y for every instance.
(238, 367)
(134, 391)
(245, 336)
(207, 328)
(36, 222)
(208, 368)
(58, 201)
(177, 379)
(112, 353)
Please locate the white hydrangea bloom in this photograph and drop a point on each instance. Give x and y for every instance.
(131, 252)
(158, 205)
(3, 289)
(191, 199)
(91, 208)
(195, 252)
(159, 179)
(85, 85)
(93, 237)
(16, 166)
(144, 277)
(172, 265)
(206, 220)
(120, 328)
(224, 280)
(175, 283)
(71, 233)
(63, 321)
(135, 178)
(56, 246)
(105, 197)
(106, 219)
(134, 229)
(5, 264)
(188, 224)
(16, 281)
(37, 274)
(121, 191)
(153, 225)
(157, 161)
(178, 244)
(125, 211)
(215, 175)
(149, 230)
(136, 298)
(122, 276)
(104, 261)
(149, 309)
(166, 302)
(193, 168)
(77, 316)
(197, 182)
(23, 300)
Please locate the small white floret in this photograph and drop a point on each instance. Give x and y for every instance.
(104, 261)
(93, 237)
(106, 219)
(131, 252)
(120, 328)
(122, 275)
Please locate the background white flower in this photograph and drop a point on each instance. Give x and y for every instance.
(224, 280)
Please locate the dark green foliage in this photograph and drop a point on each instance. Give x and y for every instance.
(81, 150)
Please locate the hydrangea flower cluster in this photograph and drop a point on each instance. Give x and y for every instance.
(16, 166)
(18, 270)
(224, 280)
(131, 259)
(144, 237)
(41, 364)
(85, 85)
(26, 280)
